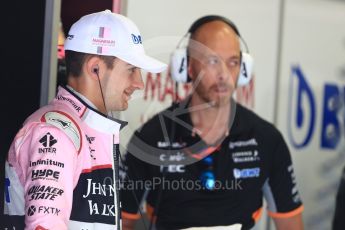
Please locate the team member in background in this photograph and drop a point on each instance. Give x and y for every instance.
(243, 157)
(59, 171)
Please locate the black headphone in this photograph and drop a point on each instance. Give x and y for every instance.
(179, 58)
(96, 70)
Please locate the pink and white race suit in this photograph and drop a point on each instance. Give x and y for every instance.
(59, 171)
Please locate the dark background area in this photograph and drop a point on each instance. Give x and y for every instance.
(22, 34)
(21, 71)
(72, 10)
(21, 49)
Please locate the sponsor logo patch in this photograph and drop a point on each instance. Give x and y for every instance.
(236, 144)
(173, 168)
(178, 156)
(45, 174)
(75, 106)
(136, 39)
(94, 190)
(90, 139)
(43, 192)
(165, 144)
(46, 162)
(66, 124)
(91, 150)
(32, 210)
(245, 156)
(47, 141)
(246, 173)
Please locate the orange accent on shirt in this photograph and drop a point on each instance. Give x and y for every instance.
(97, 167)
(257, 214)
(204, 153)
(286, 214)
(149, 211)
(131, 216)
(39, 227)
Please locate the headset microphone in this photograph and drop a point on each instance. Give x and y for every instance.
(96, 71)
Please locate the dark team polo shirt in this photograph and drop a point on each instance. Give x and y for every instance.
(252, 162)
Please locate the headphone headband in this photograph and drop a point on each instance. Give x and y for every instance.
(210, 18)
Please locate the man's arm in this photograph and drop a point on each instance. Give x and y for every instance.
(280, 190)
(294, 222)
(48, 160)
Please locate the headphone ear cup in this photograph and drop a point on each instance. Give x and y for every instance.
(178, 65)
(247, 63)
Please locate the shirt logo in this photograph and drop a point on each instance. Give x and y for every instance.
(244, 143)
(94, 192)
(173, 168)
(75, 106)
(64, 124)
(90, 139)
(43, 209)
(43, 192)
(245, 156)
(31, 210)
(246, 173)
(46, 162)
(48, 140)
(92, 151)
(45, 174)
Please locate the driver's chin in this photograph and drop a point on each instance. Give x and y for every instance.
(124, 106)
(119, 107)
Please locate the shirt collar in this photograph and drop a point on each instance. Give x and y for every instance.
(82, 97)
(87, 111)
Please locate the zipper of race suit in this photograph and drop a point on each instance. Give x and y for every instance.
(116, 176)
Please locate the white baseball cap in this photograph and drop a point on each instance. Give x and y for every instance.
(111, 34)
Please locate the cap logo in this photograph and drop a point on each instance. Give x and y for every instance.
(136, 39)
(70, 37)
(102, 42)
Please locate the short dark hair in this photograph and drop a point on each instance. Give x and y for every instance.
(75, 60)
